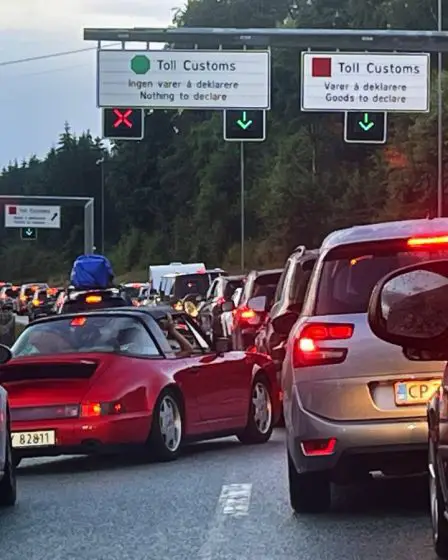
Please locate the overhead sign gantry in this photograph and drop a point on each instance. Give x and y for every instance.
(228, 69)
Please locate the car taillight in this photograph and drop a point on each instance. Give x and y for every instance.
(94, 299)
(307, 350)
(422, 241)
(94, 410)
(244, 315)
(318, 447)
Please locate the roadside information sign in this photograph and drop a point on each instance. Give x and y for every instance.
(387, 82)
(20, 216)
(197, 79)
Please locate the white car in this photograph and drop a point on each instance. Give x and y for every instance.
(8, 489)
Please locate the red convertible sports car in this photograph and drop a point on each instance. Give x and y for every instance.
(8, 490)
(86, 383)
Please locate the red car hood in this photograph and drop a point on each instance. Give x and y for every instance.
(51, 380)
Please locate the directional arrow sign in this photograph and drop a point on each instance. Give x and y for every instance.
(366, 124)
(365, 128)
(244, 126)
(28, 234)
(244, 122)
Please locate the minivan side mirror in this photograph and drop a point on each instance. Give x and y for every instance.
(409, 308)
(258, 304)
(283, 324)
(227, 306)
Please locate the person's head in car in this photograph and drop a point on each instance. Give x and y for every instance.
(48, 341)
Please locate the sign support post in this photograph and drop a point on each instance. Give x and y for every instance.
(243, 194)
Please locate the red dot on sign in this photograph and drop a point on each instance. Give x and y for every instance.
(321, 68)
(12, 210)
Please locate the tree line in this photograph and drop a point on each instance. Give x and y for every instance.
(176, 194)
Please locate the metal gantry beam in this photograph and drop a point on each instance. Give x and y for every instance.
(211, 37)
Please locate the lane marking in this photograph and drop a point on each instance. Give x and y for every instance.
(234, 499)
(233, 502)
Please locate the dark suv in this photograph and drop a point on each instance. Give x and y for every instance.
(91, 300)
(289, 298)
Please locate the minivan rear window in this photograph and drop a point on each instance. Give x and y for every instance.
(350, 273)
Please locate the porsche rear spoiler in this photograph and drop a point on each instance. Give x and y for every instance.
(27, 371)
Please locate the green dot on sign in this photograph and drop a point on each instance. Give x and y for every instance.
(140, 64)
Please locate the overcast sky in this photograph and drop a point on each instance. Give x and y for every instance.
(38, 97)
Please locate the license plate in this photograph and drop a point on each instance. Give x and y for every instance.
(33, 439)
(415, 392)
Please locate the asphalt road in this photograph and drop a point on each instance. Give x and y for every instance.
(221, 500)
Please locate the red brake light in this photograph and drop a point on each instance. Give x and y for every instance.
(247, 314)
(90, 409)
(314, 447)
(78, 322)
(308, 352)
(93, 410)
(422, 241)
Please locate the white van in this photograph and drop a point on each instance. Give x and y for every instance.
(156, 272)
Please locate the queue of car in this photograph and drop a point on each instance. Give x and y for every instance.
(348, 340)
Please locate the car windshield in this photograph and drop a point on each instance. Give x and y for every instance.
(231, 286)
(191, 284)
(349, 275)
(11, 292)
(132, 291)
(265, 285)
(104, 334)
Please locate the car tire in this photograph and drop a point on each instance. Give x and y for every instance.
(438, 520)
(165, 441)
(308, 492)
(260, 420)
(8, 484)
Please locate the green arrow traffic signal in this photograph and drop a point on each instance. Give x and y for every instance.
(244, 122)
(366, 124)
(28, 233)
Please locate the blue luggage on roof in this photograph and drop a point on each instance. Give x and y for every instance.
(91, 272)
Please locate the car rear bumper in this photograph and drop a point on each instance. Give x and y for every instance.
(360, 446)
(85, 435)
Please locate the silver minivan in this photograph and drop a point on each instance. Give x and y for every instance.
(354, 404)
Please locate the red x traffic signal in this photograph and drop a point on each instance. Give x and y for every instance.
(123, 123)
